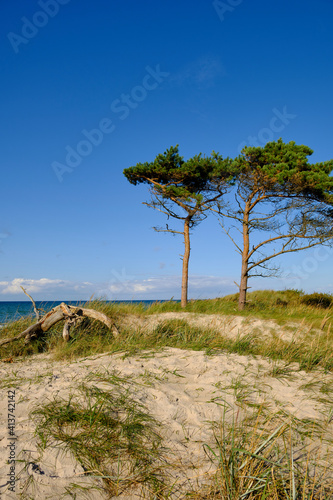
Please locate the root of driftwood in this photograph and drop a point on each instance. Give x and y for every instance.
(70, 314)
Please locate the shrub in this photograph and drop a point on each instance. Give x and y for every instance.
(323, 300)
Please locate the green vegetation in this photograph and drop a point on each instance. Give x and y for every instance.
(318, 299)
(265, 456)
(282, 306)
(112, 436)
(309, 327)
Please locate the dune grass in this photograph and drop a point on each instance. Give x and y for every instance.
(112, 436)
(282, 306)
(267, 456)
(311, 350)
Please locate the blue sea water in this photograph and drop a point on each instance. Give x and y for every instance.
(11, 311)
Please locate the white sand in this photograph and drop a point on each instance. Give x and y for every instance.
(181, 389)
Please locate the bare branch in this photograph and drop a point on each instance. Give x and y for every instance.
(168, 213)
(265, 242)
(167, 230)
(283, 252)
(33, 303)
(231, 238)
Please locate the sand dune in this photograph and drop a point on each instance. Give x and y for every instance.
(184, 390)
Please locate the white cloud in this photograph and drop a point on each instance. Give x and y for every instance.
(14, 286)
(163, 287)
(147, 288)
(45, 289)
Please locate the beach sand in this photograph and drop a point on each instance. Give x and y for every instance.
(184, 390)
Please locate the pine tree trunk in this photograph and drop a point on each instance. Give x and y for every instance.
(186, 259)
(243, 287)
(245, 262)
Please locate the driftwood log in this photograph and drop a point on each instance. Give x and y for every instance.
(70, 314)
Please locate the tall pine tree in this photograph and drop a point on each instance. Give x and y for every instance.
(183, 190)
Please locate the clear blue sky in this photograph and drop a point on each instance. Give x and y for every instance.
(149, 75)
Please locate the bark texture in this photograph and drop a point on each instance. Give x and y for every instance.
(186, 259)
(245, 260)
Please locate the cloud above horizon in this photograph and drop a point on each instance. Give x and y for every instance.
(122, 287)
(165, 287)
(14, 286)
(43, 286)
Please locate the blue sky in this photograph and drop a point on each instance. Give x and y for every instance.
(90, 88)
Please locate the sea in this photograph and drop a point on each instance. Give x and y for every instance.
(11, 311)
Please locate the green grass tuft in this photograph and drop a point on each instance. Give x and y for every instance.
(112, 437)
